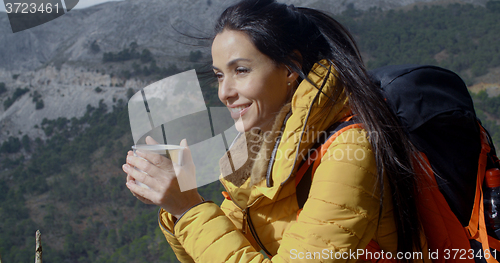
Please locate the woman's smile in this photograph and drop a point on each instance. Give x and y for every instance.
(238, 111)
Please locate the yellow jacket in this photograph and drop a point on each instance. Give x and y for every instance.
(340, 215)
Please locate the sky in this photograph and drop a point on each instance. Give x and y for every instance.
(81, 4)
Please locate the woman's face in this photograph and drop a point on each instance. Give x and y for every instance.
(252, 87)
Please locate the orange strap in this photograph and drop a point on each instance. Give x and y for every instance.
(323, 149)
(313, 158)
(477, 227)
(303, 169)
(226, 195)
(440, 224)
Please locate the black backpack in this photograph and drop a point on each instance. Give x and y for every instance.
(436, 110)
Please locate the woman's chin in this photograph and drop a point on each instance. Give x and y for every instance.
(240, 126)
(243, 126)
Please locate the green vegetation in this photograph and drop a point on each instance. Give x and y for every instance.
(36, 96)
(144, 57)
(94, 47)
(37, 99)
(12, 145)
(17, 94)
(123, 55)
(127, 54)
(87, 214)
(3, 89)
(493, 6)
(153, 69)
(458, 37)
(39, 105)
(488, 111)
(195, 56)
(463, 38)
(71, 186)
(25, 141)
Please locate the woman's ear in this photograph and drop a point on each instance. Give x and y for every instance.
(296, 58)
(292, 76)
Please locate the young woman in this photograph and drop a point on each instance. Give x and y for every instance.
(287, 74)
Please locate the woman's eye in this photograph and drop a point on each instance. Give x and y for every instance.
(219, 75)
(241, 70)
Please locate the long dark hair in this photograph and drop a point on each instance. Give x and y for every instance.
(279, 31)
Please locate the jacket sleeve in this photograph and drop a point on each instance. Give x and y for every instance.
(167, 222)
(205, 234)
(339, 215)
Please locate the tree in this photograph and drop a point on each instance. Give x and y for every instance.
(26, 143)
(108, 57)
(39, 105)
(12, 145)
(493, 6)
(195, 56)
(94, 47)
(146, 56)
(130, 93)
(2, 88)
(133, 50)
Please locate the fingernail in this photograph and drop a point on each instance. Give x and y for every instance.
(125, 168)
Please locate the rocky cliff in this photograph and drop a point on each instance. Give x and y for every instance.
(154, 24)
(56, 59)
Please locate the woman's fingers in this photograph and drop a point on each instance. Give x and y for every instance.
(131, 180)
(154, 168)
(139, 192)
(156, 159)
(141, 176)
(169, 183)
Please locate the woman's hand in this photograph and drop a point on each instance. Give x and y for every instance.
(166, 189)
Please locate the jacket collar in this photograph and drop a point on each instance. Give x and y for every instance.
(310, 112)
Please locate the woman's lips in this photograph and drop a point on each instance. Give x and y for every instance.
(237, 112)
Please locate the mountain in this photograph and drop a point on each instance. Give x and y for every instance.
(62, 60)
(149, 23)
(64, 127)
(339, 6)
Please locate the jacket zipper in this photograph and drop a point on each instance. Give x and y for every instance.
(254, 232)
(247, 221)
(244, 221)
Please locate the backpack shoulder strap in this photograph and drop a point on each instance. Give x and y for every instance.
(304, 176)
(477, 227)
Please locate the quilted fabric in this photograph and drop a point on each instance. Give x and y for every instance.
(340, 215)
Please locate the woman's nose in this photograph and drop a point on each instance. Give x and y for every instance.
(227, 90)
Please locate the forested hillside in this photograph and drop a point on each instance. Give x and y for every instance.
(463, 38)
(71, 186)
(73, 190)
